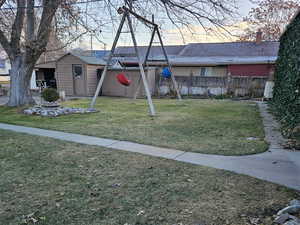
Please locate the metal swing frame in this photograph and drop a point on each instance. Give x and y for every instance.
(126, 16)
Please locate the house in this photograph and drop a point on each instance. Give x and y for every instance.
(46, 66)
(199, 68)
(44, 71)
(5, 67)
(213, 59)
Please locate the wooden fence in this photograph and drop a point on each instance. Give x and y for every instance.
(215, 85)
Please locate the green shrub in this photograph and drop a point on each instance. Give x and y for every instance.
(286, 100)
(50, 95)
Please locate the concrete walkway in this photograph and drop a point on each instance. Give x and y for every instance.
(276, 165)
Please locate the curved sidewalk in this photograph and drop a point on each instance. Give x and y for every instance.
(276, 165)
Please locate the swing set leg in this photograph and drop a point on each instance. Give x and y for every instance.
(136, 93)
(148, 94)
(99, 86)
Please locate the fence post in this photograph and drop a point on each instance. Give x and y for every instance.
(229, 84)
(190, 83)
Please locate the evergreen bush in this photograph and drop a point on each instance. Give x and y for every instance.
(50, 95)
(286, 100)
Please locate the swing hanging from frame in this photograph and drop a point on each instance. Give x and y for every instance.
(126, 13)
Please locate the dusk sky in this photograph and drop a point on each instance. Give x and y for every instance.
(170, 36)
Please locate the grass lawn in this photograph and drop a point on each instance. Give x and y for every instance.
(67, 183)
(206, 126)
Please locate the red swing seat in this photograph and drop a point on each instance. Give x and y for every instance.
(123, 79)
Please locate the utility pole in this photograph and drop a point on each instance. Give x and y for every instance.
(91, 42)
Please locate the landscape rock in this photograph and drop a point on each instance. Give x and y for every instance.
(91, 110)
(28, 111)
(56, 111)
(290, 209)
(294, 202)
(252, 139)
(282, 218)
(254, 221)
(292, 222)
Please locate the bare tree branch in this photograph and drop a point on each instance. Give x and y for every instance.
(49, 10)
(17, 28)
(2, 2)
(30, 21)
(271, 17)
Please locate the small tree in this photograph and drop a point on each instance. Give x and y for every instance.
(271, 17)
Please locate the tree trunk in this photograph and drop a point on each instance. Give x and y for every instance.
(20, 76)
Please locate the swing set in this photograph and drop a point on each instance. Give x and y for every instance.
(121, 77)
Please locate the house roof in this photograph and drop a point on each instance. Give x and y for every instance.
(231, 49)
(92, 60)
(95, 53)
(88, 59)
(172, 50)
(209, 61)
(209, 53)
(223, 60)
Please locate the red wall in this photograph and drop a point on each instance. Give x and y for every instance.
(250, 70)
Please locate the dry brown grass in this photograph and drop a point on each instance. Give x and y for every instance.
(72, 184)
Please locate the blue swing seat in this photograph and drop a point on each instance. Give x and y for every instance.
(166, 73)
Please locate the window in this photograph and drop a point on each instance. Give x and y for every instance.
(203, 71)
(77, 70)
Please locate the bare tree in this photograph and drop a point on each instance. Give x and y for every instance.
(271, 17)
(25, 33)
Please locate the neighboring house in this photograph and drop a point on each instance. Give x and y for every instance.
(5, 68)
(45, 68)
(212, 59)
(199, 68)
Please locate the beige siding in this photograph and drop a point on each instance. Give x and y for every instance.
(219, 71)
(64, 76)
(111, 87)
(211, 71)
(92, 80)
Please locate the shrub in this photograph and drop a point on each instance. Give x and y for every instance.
(50, 95)
(286, 100)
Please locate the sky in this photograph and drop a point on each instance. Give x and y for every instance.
(170, 36)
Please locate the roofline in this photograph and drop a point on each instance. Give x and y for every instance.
(194, 64)
(229, 42)
(129, 46)
(70, 53)
(89, 64)
(195, 43)
(223, 64)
